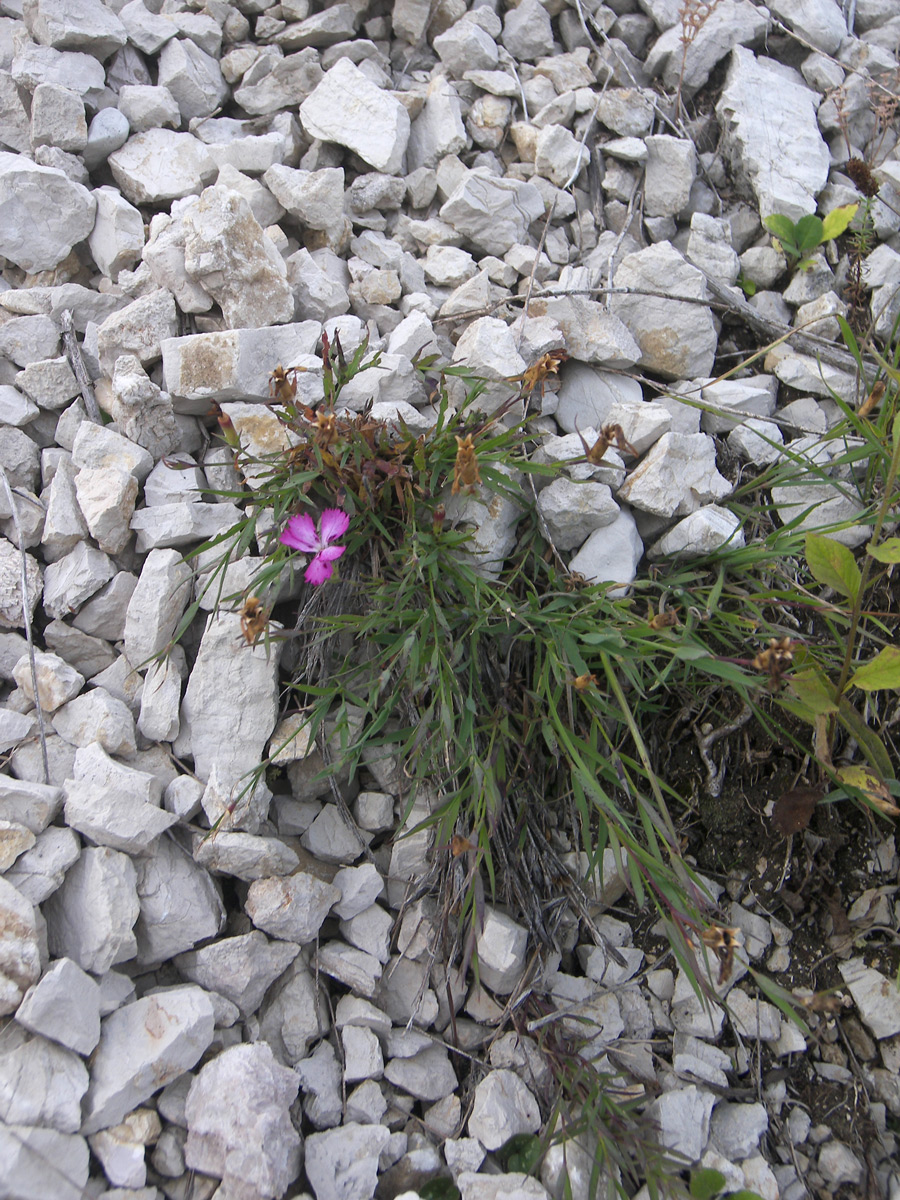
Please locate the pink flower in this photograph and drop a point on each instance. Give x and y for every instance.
(300, 534)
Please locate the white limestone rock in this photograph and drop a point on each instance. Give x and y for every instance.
(360, 887)
(777, 149)
(156, 605)
(106, 497)
(15, 839)
(876, 998)
(33, 805)
(239, 968)
(731, 23)
(492, 212)
(74, 579)
(274, 83)
(735, 1129)
(20, 965)
(611, 554)
(42, 1083)
(591, 332)
(501, 947)
(229, 255)
(90, 917)
(111, 817)
(676, 477)
(355, 968)
(193, 77)
(137, 329)
(683, 1117)
(347, 108)
(31, 1157)
(161, 165)
(438, 130)
(503, 1107)
(180, 904)
(117, 239)
(294, 1015)
(342, 1164)
(63, 1006)
(45, 213)
(702, 532)
(232, 364)
(57, 681)
(97, 716)
(677, 339)
(370, 930)
(244, 855)
(144, 1046)
(427, 1075)
(292, 908)
(161, 697)
(251, 1146)
(362, 1054)
(320, 1079)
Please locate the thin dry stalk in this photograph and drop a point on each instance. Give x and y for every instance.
(694, 14)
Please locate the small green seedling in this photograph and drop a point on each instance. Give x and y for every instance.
(797, 241)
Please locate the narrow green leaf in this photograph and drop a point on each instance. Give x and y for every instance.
(872, 745)
(882, 672)
(783, 227)
(887, 552)
(809, 233)
(833, 564)
(706, 1183)
(837, 221)
(850, 340)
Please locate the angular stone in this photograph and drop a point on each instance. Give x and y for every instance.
(252, 1146)
(683, 1117)
(573, 511)
(875, 997)
(30, 1157)
(342, 1164)
(347, 108)
(44, 213)
(244, 855)
(137, 329)
(19, 949)
(57, 682)
(611, 554)
(193, 78)
(677, 477)
(362, 1054)
(355, 968)
(106, 497)
(142, 1047)
(427, 1075)
(503, 1107)
(117, 238)
(179, 904)
(294, 1014)
(97, 716)
(779, 152)
(232, 365)
(501, 948)
(161, 165)
(292, 908)
(33, 805)
(227, 253)
(156, 605)
(320, 1078)
(64, 1006)
(42, 1084)
(90, 917)
(239, 968)
(492, 212)
(703, 532)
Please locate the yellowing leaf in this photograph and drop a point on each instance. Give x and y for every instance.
(813, 692)
(882, 672)
(887, 552)
(837, 221)
(874, 788)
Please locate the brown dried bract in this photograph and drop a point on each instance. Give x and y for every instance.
(538, 373)
(283, 384)
(667, 619)
(609, 435)
(775, 660)
(722, 941)
(873, 399)
(793, 809)
(861, 174)
(254, 616)
(583, 682)
(465, 469)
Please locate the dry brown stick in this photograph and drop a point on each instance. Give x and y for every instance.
(76, 362)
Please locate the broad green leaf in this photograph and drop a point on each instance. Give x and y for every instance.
(832, 564)
(813, 691)
(808, 233)
(706, 1183)
(837, 221)
(887, 552)
(882, 672)
(440, 1188)
(782, 226)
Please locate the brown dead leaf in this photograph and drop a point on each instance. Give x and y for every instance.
(794, 809)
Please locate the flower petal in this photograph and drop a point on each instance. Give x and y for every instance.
(300, 534)
(318, 570)
(330, 553)
(333, 525)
